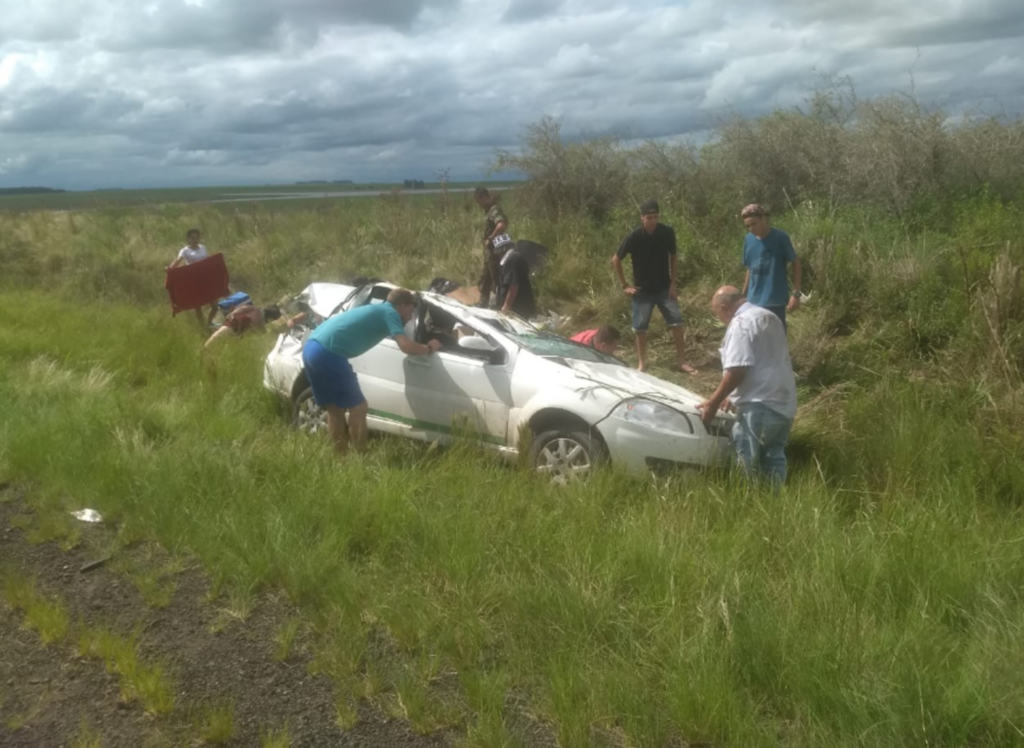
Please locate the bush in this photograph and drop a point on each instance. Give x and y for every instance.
(587, 177)
(888, 152)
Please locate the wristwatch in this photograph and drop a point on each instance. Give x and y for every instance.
(795, 293)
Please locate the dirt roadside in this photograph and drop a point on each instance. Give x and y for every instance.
(47, 693)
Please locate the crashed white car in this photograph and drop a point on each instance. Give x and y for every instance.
(500, 378)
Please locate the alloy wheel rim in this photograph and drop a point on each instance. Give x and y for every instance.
(312, 418)
(565, 460)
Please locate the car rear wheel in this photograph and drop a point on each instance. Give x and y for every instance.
(307, 416)
(566, 455)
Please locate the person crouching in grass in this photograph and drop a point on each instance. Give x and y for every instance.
(345, 336)
(243, 318)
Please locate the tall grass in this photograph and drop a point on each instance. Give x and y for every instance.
(876, 602)
(120, 254)
(925, 292)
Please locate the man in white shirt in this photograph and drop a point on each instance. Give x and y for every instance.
(758, 373)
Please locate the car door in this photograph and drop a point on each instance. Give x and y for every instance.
(459, 388)
(381, 373)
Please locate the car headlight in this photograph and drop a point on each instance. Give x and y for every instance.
(652, 415)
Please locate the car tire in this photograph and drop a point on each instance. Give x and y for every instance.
(566, 455)
(307, 416)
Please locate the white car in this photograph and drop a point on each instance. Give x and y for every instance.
(499, 377)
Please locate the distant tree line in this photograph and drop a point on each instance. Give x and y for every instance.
(324, 181)
(414, 184)
(27, 190)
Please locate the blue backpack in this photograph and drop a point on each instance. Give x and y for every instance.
(234, 300)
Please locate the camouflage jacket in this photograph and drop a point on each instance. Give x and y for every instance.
(495, 215)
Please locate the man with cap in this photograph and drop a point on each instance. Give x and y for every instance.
(652, 247)
(766, 252)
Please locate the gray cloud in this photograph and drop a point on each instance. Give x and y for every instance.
(980, 22)
(115, 93)
(520, 11)
(234, 26)
(43, 21)
(911, 24)
(51, 110)
(215, 25)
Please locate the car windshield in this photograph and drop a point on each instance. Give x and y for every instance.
(549, 344)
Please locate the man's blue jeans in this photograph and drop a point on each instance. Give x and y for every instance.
(760, 435)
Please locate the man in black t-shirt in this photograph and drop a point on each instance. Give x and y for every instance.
(515, 292)
(652, 247)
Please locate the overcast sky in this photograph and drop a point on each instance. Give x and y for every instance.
(105, 93)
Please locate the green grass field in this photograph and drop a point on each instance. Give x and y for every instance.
(119, 198)
(877, 601)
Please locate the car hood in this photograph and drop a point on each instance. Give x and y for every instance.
(632, 383)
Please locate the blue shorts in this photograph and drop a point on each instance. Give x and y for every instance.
(643, 308)
(331, 377)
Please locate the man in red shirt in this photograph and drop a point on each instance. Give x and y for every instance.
(604, 339)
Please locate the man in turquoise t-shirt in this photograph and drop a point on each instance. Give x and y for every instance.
(766, 252)
(347, 335)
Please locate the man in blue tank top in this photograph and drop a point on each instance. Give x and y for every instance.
(766, 252)
(327, 351)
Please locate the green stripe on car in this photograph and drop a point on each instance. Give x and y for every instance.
(436, 427)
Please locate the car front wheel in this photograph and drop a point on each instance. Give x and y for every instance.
(307, 415)
(566, 455)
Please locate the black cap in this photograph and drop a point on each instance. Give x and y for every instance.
(649, 206)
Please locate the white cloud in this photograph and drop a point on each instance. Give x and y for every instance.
(13, 164)
(1005, 66)
(575, 62)
(191, 91)
(178, 157)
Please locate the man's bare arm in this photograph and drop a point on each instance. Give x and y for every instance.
(794, 299)
(499, 228)
(220, 332)
(510, 298)
(731, 379)
(617, 266)
(412, 348)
